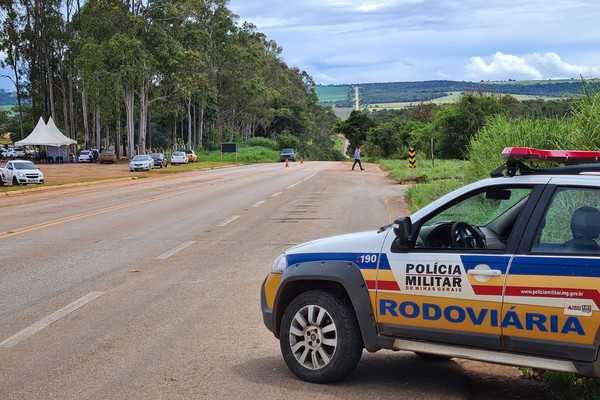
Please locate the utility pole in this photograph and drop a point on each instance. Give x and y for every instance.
(356, 101)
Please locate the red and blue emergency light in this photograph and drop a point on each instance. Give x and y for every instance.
(588, 161)
(559, 156)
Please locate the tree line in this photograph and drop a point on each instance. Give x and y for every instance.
(137, 74)
(445, 130)
(398, 92)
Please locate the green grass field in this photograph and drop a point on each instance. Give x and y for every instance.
(328, 94)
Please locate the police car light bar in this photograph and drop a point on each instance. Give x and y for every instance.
(560, 156)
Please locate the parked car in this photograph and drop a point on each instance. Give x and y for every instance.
(14, 152)
(179, 157)
(85, 156)
(141, 162)
(107, 157)
(505, 270)
(160, 160)
(287, 154)
(3, 150)
(20, 172)
(191, 155)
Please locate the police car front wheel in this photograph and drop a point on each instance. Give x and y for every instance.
(320, 337)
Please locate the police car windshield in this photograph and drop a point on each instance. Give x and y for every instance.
(481, 209)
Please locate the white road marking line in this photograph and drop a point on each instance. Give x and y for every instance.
(258, 203)
(276, 194)
(44, 322)
(228, 220)
(303, 180)
(175, 250)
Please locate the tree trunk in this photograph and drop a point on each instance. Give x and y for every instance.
(97, 127)
(129, 103)
(84, 110)
(143, 117)
(189, 118)
(201, 129)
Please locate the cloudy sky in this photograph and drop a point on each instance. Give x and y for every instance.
(359, 41)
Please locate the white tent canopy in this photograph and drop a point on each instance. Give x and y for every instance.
(46, 135)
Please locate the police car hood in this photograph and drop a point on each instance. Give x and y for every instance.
(360, 242)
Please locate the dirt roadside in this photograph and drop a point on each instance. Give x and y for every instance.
(62, 179)
(76, 172)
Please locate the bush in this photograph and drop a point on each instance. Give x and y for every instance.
(287, 141)
(485, 153)
(580, 132)
(261, 142)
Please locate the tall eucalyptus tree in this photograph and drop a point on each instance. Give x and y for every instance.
(10, 44)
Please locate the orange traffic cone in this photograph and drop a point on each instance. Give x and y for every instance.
(287, 165)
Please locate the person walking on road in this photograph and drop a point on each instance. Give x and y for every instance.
(357, 158)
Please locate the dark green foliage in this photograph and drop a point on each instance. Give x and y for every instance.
(261, 142)
(355, 129)
(579, 131)
(288, 141)
(545, 108)
(457, 124)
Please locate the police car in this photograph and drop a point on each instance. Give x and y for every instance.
(504, 270)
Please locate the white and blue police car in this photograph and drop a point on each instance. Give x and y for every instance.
(504, 270)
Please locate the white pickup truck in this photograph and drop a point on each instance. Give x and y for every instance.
(20, 172)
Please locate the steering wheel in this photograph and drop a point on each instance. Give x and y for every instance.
(464, 235)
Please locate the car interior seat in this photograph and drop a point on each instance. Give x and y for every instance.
(585, 226)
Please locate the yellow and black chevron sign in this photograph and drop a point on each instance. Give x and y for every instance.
(412, 158)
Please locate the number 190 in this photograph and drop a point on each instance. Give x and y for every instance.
(367, 258)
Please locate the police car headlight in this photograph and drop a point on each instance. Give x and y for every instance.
(280, 264)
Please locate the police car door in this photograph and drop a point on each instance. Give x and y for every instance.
(552, 299)
(448, 287)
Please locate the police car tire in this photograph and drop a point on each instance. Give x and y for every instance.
(346, 342)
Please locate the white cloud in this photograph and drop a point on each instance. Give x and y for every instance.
(324, 79)
(409, 40)
(531, 66)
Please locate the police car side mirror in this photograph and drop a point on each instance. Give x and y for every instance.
(498, 194)
(402, 230)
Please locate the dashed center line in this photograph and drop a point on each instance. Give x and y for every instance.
(228, 220)
(44, 322)
(175, 250)
(258, 203)
(299, 182)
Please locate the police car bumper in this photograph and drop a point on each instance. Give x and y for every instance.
(267, 312)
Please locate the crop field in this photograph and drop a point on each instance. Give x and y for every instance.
(327, 94)
(450, 98)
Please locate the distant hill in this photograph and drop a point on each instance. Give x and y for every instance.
(7, 98)
(397, 92)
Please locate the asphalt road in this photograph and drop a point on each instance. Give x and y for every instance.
(149, 289)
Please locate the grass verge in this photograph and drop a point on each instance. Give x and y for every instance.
(428, 181)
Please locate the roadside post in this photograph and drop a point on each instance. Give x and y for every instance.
(412, 158)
